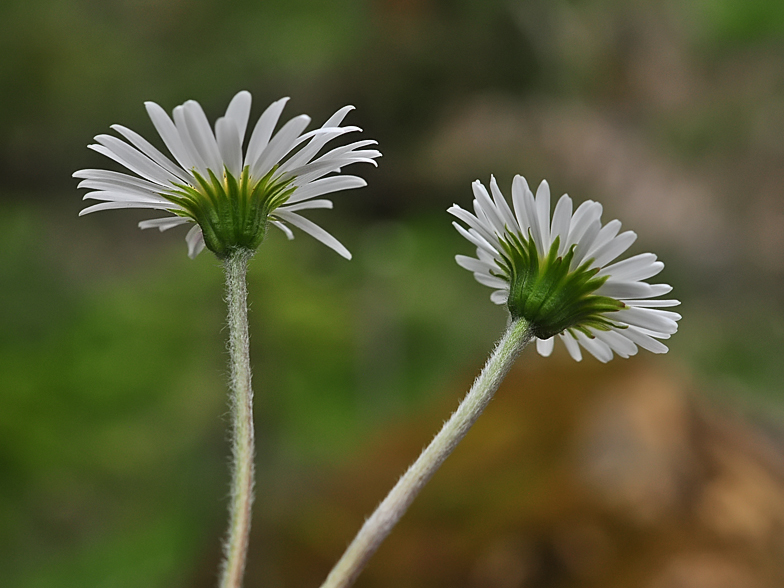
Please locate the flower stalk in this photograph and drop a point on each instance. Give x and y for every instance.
(392, 508)
(241, 399)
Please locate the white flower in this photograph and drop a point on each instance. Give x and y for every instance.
(229, 193)
(557, 272)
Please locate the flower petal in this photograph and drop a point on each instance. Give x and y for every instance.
(545, 346)
(238, 112)
(170, 135)
(145, 147)
(543, 213)
(201, 134)
(314, 231)
(263, 130)
(195, 241)
(561, 218)
(308, 205)
(595, 347)
(571, 346)
(326, 186)
(229, 144)
(165, 223)
(284, 228)
(283, 142)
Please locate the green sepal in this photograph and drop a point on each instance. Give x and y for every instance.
(232, 213)
(548, 294)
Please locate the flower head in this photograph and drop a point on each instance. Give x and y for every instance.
(231, 194)
(556, 272)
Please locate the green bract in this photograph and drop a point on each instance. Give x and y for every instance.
(550, 296)
(233, 214)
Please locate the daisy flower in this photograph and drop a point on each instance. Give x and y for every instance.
(559, 274)
(230, 194)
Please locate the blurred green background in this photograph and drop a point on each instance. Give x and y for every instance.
(112, 360)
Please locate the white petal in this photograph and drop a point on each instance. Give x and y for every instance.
(263, 130)
(306, 174)
(499, 296)
(165, 223)
(203, 139)
(476, 239)
(230, 145)
(170, 135)
(183, 130)
(543, 214)
(561, 219)
(587, 213)
(519, 192)
(133, 159)
(116, 187)
(337, 118)
(638, 267)
(644, 340)
(326, 186)
(605, 236)
(613, 249)
(474, 223)
(502, 207)
(195, 241)
(129, 195)
(314, 230)
(657, 290)
(616, 341)
(651, 333)
(290, 170)
(238, 111)
(652, 303)
(545, 346)
(308, 205)
(660, 321)
(485, 205)
(284, 228)
(533, 217)
(145, 147)
(491, 281)
(331, 161)
(115, 204)
(486, 256)
(631, 290)
(598, 349)
(283, 142)
(473, 264)
(317, 142)
(341, 153)
(571, 346)
(585, 242)
(99, 177)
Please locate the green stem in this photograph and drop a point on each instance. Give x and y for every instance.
(235, 547)
(392, 508)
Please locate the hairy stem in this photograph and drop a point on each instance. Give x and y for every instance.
(235, 547)
(392, 508)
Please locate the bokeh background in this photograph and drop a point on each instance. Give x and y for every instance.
(660, 472)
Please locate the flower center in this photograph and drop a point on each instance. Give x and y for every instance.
(550, 296)
(232, 213)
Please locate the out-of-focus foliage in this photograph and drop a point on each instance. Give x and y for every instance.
(114, 392)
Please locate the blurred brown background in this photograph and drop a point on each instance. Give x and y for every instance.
(660, 472)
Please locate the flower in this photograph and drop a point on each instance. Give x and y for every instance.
(230, 196)
(556, 272)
